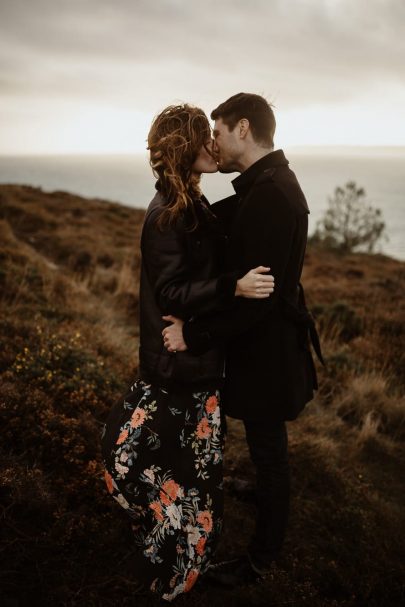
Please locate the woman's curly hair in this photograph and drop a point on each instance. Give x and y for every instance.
(174, 141)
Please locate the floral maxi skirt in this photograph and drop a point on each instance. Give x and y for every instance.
(163, 454)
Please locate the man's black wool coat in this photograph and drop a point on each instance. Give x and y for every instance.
(270, 372)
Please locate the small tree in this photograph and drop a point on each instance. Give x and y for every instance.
(349, 222)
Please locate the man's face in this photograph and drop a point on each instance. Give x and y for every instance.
(226, 147)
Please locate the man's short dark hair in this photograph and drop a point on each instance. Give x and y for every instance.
(253, 107)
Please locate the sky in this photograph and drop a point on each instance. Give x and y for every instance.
(87, 76)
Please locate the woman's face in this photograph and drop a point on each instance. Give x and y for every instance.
(205, 161)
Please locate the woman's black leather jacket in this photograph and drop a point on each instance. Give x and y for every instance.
(180, 275)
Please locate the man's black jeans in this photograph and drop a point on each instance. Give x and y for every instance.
(268, 446)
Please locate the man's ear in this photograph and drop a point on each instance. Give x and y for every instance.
(243, 127)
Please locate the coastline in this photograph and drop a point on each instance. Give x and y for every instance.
(129, 180)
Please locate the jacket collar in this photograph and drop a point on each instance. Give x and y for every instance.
(246, 179)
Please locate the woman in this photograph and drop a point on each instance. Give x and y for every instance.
(163, 443)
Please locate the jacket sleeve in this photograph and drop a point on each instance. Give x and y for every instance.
(268, 232)
(169, 269)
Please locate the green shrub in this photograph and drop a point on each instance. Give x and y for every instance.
(349, 223)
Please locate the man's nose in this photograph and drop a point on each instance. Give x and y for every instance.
(215, 147)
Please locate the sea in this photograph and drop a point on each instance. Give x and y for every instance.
(128, 179)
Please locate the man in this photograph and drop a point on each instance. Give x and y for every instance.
(270, 374)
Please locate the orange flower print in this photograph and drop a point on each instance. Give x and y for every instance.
(169, 492)
(201, 545)
(191, 579)
(122, 437)
(173, 580)
(138, 417)
(157, 510)
(203, 428)
(205, 519)
(109, 481)
(211, 404)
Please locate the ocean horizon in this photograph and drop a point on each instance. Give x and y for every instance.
(128, 179)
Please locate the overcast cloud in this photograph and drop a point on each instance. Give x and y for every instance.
(139, 55)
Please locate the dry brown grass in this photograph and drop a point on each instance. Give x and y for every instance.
(369, 402)
(69, 276)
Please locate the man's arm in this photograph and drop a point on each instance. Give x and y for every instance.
(269, 224)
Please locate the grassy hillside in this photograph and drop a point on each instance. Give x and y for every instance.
(69, 278)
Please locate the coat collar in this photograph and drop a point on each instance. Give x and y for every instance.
(246, 179)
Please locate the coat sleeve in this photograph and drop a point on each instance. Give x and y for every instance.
(267, 236)
(170, 270)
